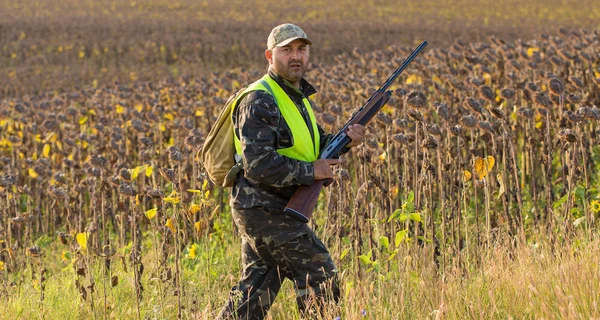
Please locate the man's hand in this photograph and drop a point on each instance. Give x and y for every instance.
(323, 168)
(356, 132)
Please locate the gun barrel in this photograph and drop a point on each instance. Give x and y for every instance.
(403, 66)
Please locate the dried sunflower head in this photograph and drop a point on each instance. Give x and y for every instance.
(416, 99)
(468, 121)
(556, 86)
(415, 115)
(542, 99)
(430, 142)
(567, 135)
(487, 93)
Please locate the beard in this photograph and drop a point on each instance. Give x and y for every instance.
(293, 71)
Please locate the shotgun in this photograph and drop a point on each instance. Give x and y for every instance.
(303, 202)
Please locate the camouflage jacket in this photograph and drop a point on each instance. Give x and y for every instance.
(268, 178)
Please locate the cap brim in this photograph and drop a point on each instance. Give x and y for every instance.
(288, 41)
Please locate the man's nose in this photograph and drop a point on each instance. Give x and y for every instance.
(296, 54)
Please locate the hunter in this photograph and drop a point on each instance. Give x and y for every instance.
(279, 141)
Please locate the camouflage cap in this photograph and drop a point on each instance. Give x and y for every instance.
(284, 34)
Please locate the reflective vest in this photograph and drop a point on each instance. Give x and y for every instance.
(303, 148)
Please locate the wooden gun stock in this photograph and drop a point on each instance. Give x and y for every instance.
(304, 201)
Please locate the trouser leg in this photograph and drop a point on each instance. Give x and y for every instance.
(308, 263)
(256, 291)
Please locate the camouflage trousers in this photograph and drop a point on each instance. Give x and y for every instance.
(276, 247)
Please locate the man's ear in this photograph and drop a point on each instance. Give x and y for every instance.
(269, 56)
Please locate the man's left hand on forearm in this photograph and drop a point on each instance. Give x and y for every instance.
(356, 132)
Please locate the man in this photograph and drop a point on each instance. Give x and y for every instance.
(279, 141)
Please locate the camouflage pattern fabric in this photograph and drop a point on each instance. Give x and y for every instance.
(284, 34)
(276, 247)
(268, 178)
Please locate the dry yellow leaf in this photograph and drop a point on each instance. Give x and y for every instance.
(414, 79)
(194, 208)
(136, 171)
(484, 166)
(32, 173)
(46, 151)
(532, 50)
(394, 192)
(151, 213)
(82, 240)
(192, 253)
(466, 175)
(170, 225)
(173, 200)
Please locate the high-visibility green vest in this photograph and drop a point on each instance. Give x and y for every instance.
(303, 148)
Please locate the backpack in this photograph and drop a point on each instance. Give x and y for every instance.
(218, 152)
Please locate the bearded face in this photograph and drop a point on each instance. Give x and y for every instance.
(290, 61)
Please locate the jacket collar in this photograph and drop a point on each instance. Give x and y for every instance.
(306, 89)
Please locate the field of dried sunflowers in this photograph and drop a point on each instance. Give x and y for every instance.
(474, 196)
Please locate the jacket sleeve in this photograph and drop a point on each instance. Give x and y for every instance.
(256, 121)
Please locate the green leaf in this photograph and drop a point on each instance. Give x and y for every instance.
(374, 266)
(393, 255)
(365, 259)
(346, 241)
(415, 217)
(394, 215)
(403, 217)
(400, 236)
(344, 253)
(408, 207)
(384, 242)
(580, 193)
(576, 213)
(560, 201)
(411, 197)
